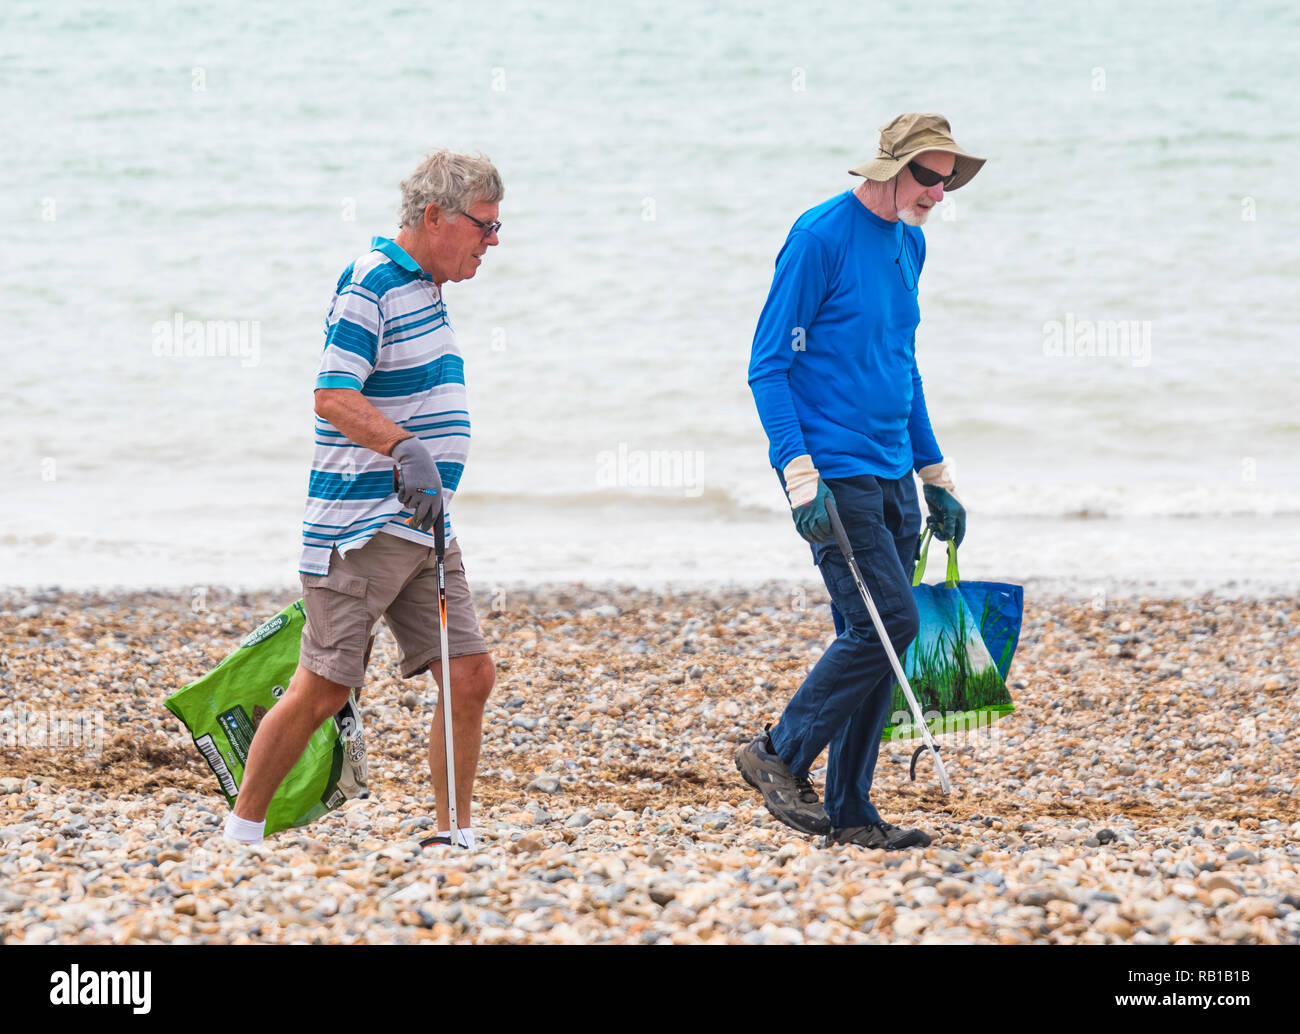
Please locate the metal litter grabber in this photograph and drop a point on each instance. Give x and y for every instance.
(843, 540)
(444, 696)
(440, 551)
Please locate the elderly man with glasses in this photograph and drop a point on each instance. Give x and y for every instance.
(390, 397)
(835, 379)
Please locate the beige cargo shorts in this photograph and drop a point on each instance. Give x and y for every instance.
(394, 578)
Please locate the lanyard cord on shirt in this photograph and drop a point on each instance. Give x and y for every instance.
(901, 245)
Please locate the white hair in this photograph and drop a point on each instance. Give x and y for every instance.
(450, 180)
(887, 190)
(914, 216)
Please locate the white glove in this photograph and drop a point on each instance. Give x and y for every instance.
(947, 518)
(801, 481)
(939, 475)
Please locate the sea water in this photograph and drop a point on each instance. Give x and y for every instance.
(1108, 310)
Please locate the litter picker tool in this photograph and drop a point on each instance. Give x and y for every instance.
(440, 551)
(843, 540)
(440, 554)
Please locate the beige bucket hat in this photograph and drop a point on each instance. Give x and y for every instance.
(906, 137)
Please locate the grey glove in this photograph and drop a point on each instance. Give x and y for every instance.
(419, 487)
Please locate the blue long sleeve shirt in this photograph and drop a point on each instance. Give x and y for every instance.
(833, 367)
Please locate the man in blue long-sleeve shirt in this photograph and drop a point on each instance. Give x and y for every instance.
(835, 380)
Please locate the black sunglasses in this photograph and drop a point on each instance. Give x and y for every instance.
(488, 228)
(928, 177)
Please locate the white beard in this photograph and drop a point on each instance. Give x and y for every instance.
(914, 216)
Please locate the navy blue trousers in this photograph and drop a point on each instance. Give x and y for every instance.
(843, 704)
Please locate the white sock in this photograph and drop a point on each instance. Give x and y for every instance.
(242, 831)
(466, 836)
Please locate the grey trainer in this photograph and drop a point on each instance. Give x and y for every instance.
(790, 799)
(878, 835)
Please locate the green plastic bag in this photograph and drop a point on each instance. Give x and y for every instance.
(223, 709)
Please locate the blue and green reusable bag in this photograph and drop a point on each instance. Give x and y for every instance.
(223, 709)
(998, 608)
(957, 665)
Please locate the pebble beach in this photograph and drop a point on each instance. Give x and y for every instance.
(1143, 792)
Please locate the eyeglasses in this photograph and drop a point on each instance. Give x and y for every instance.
(928, 177)
(488, 228)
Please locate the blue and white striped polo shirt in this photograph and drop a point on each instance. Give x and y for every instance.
(386, 336)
